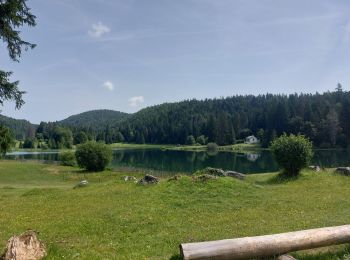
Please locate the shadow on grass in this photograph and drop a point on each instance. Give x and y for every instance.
(175, 257)
(343, 254)
(280, 178)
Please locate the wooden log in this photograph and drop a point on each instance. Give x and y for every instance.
(265, 246)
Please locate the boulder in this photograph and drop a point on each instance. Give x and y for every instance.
(204, 177)
(130, 178)
(315, 168)
(175, 177)
(343, 170)
(234, 174)
(81, 184)
(213, 171)
(26, 246)
(148, 179)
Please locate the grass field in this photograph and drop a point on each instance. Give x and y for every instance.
(112, 219)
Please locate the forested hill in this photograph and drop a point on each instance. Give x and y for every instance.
(94, 119)
(20, 128)
(324, 118)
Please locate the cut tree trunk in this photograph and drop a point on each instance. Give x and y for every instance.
(265, 246)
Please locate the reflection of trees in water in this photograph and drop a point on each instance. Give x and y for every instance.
(180, 161)
(331, 158)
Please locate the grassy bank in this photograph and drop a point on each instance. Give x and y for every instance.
(111, 219)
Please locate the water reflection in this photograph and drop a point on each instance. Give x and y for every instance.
(186, 161)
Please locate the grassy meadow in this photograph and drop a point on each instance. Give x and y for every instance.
(113, 219)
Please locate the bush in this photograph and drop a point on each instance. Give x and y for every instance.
(67, 158)
(292, 153)
(190, 140)
(212, 147)
(93, 156)
(201, 140)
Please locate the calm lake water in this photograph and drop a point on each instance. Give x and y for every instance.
(188, 162)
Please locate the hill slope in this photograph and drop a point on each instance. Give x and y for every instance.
(94, 119)
(324, 118)
(20, 127)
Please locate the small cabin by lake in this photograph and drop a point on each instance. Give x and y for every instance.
(251, 140)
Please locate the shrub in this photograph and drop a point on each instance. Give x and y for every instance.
(292, 153)
(67, 158)
(93, 156)
(212, 147)
(201, 140)
(7, 140)
(190, 140)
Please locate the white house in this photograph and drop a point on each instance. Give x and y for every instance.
(251, 140)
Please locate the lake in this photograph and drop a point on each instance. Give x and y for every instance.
(188, 162)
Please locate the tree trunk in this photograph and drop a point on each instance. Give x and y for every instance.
(264, 246)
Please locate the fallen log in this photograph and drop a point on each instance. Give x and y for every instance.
(266, 246)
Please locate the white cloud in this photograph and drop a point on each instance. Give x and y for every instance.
(136, 101)
(97, 30)
(109, 85)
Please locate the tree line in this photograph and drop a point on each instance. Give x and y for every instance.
(323, 118)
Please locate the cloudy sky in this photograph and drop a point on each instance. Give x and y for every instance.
(128, 54)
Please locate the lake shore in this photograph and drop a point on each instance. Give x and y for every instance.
(112, 218)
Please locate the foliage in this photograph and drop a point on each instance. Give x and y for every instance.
(292, 153)
(212, 147)
(67, 158)
(57, 137)
(320, 117)
(80, 138)
(28, 143)
(13, 14)
(93, 156)
(323, 118)
(190, 140)
(6, 140)
(201, 140)
(21, 128)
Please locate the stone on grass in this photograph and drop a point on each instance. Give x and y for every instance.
(81, 184)
(130, 178)
(175, 177)
(234, 174)
(315, 168)
(148, 179)
(343, 170)
(213, 171)
(26, 246)
(204, 177)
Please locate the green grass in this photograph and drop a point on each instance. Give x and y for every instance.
(111, 219)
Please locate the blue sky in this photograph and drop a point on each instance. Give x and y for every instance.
(128, 54)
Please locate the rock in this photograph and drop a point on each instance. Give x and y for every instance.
(81, 184)
(27, 246)
(315, 168)
(204, 177)
(213, 171)
(130, 178)
(148, 179)
(175, 177)
(234, 174)
(343, 170)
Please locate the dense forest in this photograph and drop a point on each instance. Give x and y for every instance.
(20, 128)
(324, 118)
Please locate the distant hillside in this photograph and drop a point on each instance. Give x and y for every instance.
(324, 118)
(21, 128)
(95, 119)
